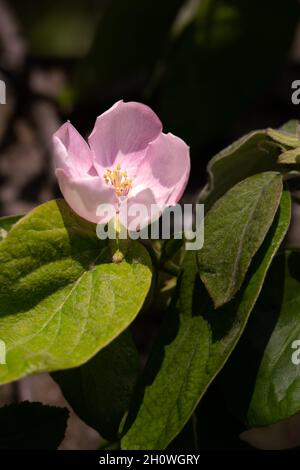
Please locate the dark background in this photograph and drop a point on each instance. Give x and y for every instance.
(211, 69)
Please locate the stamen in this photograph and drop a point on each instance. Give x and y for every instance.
(117, 178)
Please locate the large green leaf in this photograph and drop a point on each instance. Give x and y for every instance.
(32, 426)
(270, 390)
(100, 390)
(61, 298)
(235, 227)
(193, 346)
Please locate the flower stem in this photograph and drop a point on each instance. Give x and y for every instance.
(119, 246)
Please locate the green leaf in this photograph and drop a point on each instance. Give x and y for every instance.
(193, 346)
(290, 157)
(235, 228)
(100, 390)
(252, 154)
(32, 426)
(284, 138)
(276, 378)
(61, 299)
(6, 224)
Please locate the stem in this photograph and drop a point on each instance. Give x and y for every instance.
(117, 228)
(118, 246)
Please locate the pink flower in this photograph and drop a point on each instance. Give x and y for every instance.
(128, 159)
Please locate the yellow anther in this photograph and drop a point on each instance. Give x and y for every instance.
(118, 180)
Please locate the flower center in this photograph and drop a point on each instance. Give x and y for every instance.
(117, 178)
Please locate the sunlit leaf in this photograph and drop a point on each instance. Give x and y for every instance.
(61, 297)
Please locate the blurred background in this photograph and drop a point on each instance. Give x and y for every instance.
(211, 69)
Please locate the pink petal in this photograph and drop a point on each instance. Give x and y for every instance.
(146, 199)
(71, 152)
(84, 195)
(123, 133)
(165, 169)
